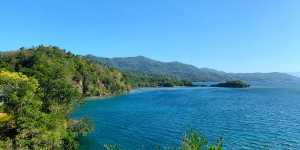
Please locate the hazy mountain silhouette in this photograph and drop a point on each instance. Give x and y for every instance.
(146, 65)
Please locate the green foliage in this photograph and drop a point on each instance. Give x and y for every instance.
(76, 128)
(111, 147)
(192, 140)
(30, 128)
(158, 81)
(6, 144)
(80, 127)
(138, 79)
(51, 64)
(232, 84)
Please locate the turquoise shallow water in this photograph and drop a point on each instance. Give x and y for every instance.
(267, 115)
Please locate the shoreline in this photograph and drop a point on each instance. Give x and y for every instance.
(136, 88)
(100, 97)
(104, 97)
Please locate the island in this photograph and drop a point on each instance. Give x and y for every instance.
(232, 84)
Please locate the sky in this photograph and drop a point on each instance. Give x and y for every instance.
(227, 35)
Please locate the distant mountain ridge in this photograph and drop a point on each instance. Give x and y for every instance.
(296, 74)
(180, 70)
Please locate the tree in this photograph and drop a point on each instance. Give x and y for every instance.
(193, 140)
(28, 125)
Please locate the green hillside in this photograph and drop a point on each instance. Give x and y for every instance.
(152, 67)
(50, 63)
(176, 69)
(40, 87)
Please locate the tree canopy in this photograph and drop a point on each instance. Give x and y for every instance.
(232, 84)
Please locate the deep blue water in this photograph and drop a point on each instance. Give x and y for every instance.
(267, 115)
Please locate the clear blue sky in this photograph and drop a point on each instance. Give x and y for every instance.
(227, 35)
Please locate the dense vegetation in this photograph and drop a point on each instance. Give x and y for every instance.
(184, 71)
(232, 84)
(152, 67)
(42, 85)
(51, 63)
(192, 140)
(138, 79)
(152, 81)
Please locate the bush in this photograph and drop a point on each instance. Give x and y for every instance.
(192, 140)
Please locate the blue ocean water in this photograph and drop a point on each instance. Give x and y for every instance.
(267, 115)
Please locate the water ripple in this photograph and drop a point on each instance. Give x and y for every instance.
(265, 116)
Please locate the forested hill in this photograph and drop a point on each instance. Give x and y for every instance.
(180, 70)
(52, 63)
(153, 67)
(40, 86)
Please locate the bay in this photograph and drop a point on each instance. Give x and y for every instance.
(267, 115)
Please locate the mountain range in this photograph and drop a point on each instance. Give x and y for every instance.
(144, 65)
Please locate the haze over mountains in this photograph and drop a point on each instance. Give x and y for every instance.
(144, 65)
(296, 74)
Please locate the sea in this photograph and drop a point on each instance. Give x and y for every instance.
(264, 116)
